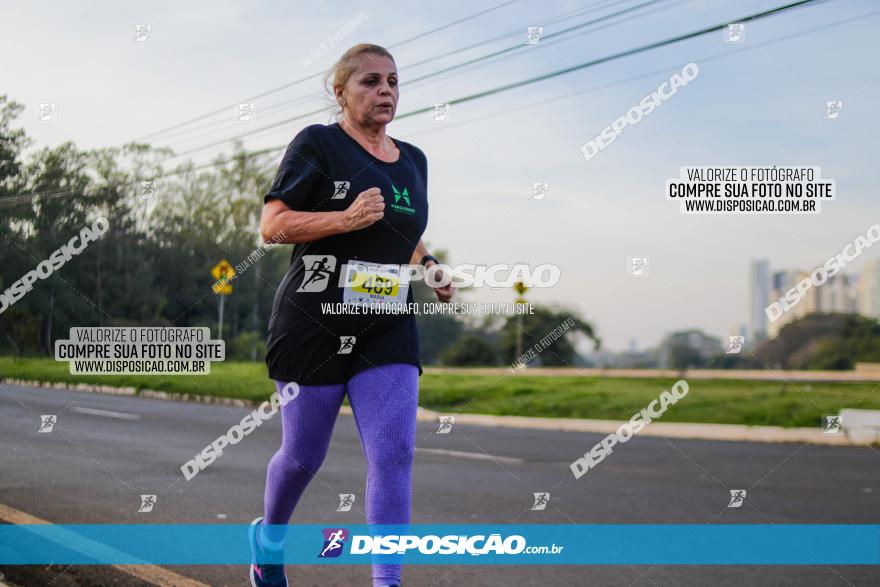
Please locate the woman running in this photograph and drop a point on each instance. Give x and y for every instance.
(354, 201)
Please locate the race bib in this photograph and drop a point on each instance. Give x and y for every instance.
(372, 283)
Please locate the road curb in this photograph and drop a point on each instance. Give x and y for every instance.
(682, 430)
(863, 376)
(725, 432)
(151, 393)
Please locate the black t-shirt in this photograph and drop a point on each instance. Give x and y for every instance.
(324, 169)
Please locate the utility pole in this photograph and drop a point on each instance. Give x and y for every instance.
(520, 288)
(223, 273)
(220, 318)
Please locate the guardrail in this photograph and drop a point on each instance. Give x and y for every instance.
(749, 374)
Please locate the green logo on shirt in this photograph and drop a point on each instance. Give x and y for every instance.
(404, 195)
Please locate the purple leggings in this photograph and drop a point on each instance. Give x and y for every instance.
(384, 401)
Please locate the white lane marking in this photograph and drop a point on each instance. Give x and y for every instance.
(152, 574)
(477, 456)
(106, 413)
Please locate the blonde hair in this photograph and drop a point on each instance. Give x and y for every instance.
(346, 65)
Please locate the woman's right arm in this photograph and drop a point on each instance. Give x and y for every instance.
(301, 227)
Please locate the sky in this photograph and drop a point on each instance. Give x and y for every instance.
(755, 103)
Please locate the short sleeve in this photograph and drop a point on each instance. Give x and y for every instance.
(422, 162)
(301, 171)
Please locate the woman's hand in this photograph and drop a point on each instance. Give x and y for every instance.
(445, 293)
(367, 208)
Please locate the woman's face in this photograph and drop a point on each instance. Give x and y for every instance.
(370, 94)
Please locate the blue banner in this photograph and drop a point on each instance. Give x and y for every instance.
(513, 544)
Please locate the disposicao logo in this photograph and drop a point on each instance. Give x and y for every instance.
(334, 540)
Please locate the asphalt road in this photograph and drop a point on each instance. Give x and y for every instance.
(107, 450)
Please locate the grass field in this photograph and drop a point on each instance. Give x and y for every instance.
(717, 401)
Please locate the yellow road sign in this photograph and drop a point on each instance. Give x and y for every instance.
(520, 287)
(222, 268)
(220, 271)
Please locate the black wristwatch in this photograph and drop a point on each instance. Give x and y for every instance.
(427, 258)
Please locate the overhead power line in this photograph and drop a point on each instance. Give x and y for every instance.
(550, 75)
(318, 74)
(546, 41)
(451, 24)
(12, 200)
(701, 60)
(520, 46)
(615, 56)
(558, 18)
(184, 128)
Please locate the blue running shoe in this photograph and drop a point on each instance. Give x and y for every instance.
(264, 574)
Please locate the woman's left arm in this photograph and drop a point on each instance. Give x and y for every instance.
(445, 293)
(421, 251)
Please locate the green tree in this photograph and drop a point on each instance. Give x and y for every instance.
(58, 210)
(21, 328)
(470, 350)
(823, 341)
(12, 142)
(537, 326)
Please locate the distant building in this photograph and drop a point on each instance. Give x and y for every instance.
(782, 282)
(759, 298)
(868, 292)
(646, 359)
(837, 294)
